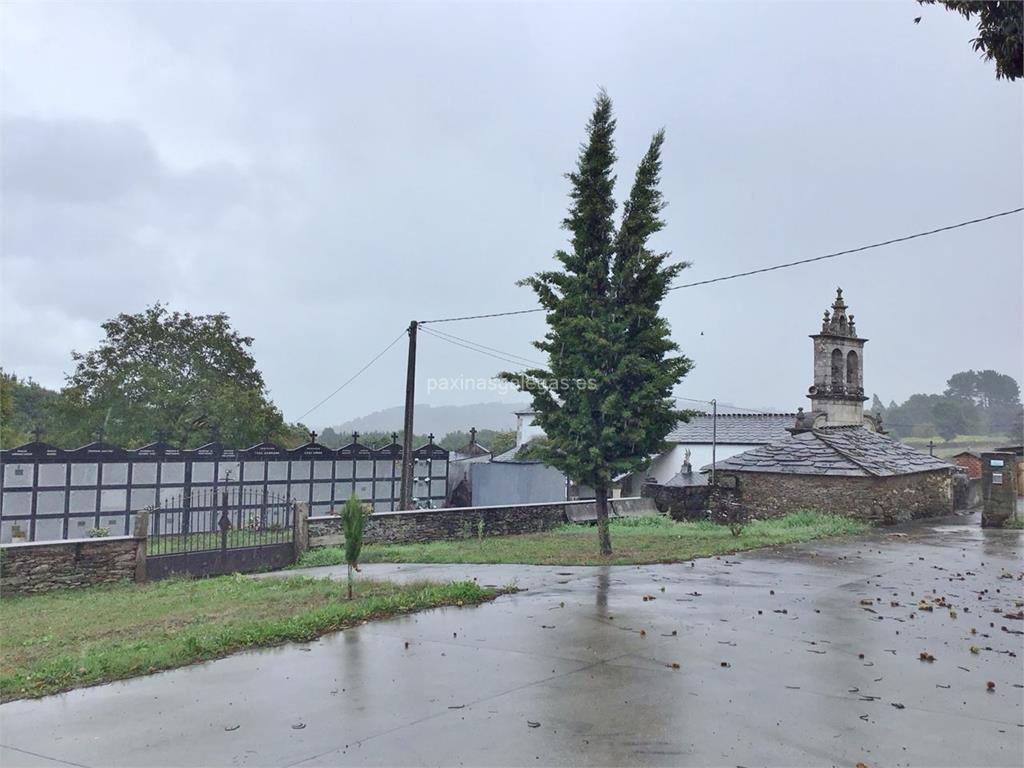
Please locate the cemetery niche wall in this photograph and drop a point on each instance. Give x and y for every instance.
(49, 493)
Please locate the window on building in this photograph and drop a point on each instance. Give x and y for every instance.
(852, 369)
(838, 368)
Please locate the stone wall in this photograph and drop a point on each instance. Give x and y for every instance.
(680, 502)
(433, 524)
(424, 525)
(871, 499)
(42, 567)
(967, 490)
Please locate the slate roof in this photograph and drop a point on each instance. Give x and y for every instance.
(835, 452)
(734, 428)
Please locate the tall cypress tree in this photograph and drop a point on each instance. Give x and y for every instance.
(605, 399)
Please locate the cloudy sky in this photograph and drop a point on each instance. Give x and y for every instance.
(325, 172)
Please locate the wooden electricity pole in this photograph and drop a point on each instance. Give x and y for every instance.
(405, 502)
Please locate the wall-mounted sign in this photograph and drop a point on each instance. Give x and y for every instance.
(997, 478)
(995, 462)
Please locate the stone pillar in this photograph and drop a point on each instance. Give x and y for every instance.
(300, 520)
(999, 488)
(141, 534)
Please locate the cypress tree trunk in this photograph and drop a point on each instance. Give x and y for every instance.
(601, 507)
(350, 581)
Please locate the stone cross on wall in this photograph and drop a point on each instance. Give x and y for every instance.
(355, 437)
(312, 435)
(37, 433)
(394, 437)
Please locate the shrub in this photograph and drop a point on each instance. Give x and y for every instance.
(353, 520)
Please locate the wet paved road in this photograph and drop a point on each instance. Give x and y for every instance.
(584, 655)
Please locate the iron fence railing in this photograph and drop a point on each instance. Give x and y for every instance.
(208, 520)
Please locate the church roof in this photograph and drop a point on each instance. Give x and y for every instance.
(834, 452)
(733, 429)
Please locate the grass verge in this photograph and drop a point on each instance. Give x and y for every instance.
(74, 638)
(634, 541)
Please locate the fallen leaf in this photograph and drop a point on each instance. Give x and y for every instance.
(232, 727)
(533, 724)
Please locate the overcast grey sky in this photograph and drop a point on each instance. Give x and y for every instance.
(325, 172)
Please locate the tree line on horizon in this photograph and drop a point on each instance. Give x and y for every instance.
(73, 417)
(973, 403)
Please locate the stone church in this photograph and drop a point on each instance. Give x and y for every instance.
(837, 458)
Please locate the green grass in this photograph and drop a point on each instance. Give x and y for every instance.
(73, 638)
(634, 541)
(1016, 523)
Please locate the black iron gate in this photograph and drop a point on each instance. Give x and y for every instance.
(212, 532)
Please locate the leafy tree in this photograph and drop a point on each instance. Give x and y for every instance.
(604, 401)
(459, 439)
(501, 441)
(994, 398)
(353, 520)
(1000, 31)
(877, 406)
(293, 435)
(534, 450)
(949, 419)
(160, 374)
(494, 441)
(10, 435)
(31, 407)
(997, 388)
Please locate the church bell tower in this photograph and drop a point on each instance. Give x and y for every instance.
(837, 395)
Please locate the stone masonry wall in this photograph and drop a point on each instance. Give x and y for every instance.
(434, 524)
(31, 567)
(871, 499)
(680, 502)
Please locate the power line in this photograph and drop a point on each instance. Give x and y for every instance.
(786, 265)
(453, 337)
(501, 357)
(478, 317)
(354, 376)
(903, 239)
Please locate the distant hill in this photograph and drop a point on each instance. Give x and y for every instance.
(439, 419)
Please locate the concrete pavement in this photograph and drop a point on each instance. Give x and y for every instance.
(577, 670)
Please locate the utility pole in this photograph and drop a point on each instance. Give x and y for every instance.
(405, 502)
(714, 437)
